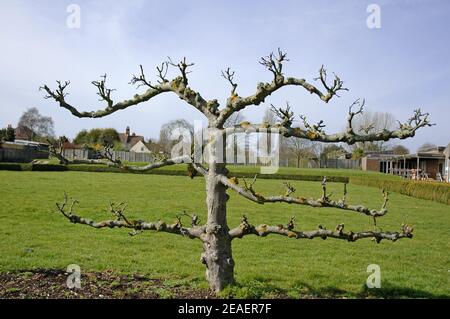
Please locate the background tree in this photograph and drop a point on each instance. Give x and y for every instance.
(270, 116)
(234, 120)
(173, 132)
(357, 153)
(154, 146)
(215, 235)
(98, 138)
(42, 127)
(7, 134)
(301, 149)
(400, 150)
(331, 151)
(370, 122)
(235, 142)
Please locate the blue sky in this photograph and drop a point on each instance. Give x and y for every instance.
(399, 67)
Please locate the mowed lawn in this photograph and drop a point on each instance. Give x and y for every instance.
(34, 235)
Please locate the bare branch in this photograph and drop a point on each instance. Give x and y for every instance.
(182, 66)
(107, 153)
(103, 91)
(337, 82)
(312, 129)
(136, 225)
(177, 86)
(150, 166)
(289, 189)
(229, 76)
(324, 201)
(141, 80)
(286, 116)
(162, 72)
(59, 93)
(274, 63)
(352, 114)
(315, 132)
(245, 228)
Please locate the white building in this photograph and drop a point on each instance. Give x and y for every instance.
(139, 147)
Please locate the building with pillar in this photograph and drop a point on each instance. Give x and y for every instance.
(447, 164)
(431, 163)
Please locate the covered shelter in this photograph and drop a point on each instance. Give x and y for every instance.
(447, 164)
(425, 164)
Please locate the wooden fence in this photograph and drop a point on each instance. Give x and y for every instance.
(123, 155)
(21, 155)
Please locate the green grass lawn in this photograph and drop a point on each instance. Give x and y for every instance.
(33, 235)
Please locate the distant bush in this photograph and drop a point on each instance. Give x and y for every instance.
(11, 167)
(48, 167)
(435, 191)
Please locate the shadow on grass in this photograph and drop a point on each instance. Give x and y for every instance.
(260, 288)
(389, 290)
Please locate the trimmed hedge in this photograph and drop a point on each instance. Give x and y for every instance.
(12, 167)
(107, 169)
(309, 178)
(435, 191)
(438, 192)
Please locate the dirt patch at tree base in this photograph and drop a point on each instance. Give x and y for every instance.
(52, 284)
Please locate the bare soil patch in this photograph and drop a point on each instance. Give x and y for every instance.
(52, 284)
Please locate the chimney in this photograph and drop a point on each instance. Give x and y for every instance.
(127, 132)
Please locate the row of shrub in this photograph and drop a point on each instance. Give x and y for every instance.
(435, 191)
(176, 172)
(439, 192)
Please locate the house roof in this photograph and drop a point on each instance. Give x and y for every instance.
(130, 140)
(71, 146)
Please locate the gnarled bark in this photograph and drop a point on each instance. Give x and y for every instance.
(217, 255)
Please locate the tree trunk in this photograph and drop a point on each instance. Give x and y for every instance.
(217, 242)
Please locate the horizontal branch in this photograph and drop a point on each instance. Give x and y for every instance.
(316, 132)
(178, 85)
(193, 168)
(150, 166)
(248, 192)
(137, 225)
(263, 230)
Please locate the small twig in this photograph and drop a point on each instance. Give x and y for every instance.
(103, 91)
(182, 66)
(229, 76)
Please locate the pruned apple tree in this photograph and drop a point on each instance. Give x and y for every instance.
(215, 234)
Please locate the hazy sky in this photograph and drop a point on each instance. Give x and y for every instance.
(399, 67)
